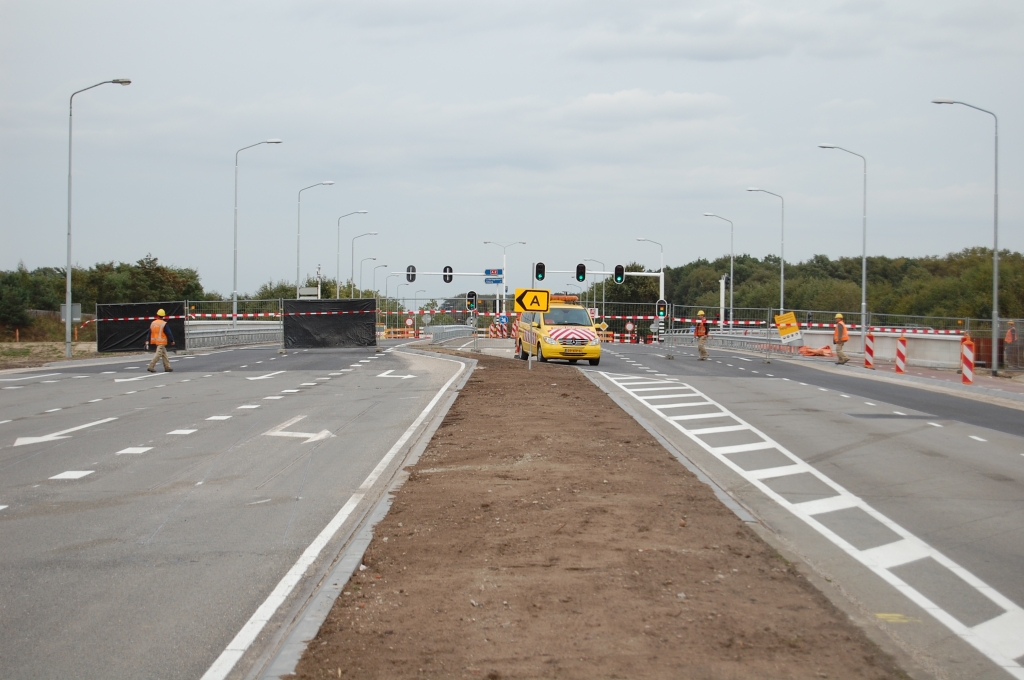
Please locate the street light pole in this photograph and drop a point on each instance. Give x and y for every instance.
(995, 235)
(361, 272)
(234, 276)
(352, 271)
(732, 259)
(337, 255)
(661, 291)
(604, 269)
(67, 289)
(504, 268)
(298, 234)
(782, 250)
(387, 280)
(864, 247)
(375, 277)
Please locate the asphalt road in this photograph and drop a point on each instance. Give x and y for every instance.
(144, 518)
(909, 501)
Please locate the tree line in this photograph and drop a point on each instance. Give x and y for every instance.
(953, 285)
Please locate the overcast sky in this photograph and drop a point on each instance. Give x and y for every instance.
(573, 126)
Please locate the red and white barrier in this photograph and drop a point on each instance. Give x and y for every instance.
(901, 355)
(967, 362)
(869, 350)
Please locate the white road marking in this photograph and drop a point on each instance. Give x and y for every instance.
(935, 425)
(334, 374)
(252, 628)
(138, 377)
(21, 441)
(899, 413)
(845, 396)
(346, 370)
(869, 403)
(997, 638)
(823, 389)
(265, 500)
(135, 449)
(132, 392)
(218, 417)
(50, 381)
(28, 377)
(108, 372)
(244, 366)
(364, 361)
(977, 439)
(289, 391)
(52, 410)
(387, 374)
(13, 387)
(250, 406)
(274, 397)
(268, 375)
(181, 431)
(355, 365)
(308, 436)
(93, 401)
(3, 507)
(73, 474)
(4, 421)
(307, 385)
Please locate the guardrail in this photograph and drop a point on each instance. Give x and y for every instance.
(224, 337)
(751, 342)
(440, 334)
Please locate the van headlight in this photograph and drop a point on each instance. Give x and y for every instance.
(550, 341)
(595, 341)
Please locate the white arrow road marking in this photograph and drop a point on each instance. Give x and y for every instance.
(21, 441)
(308, 436)
(138, 377)
(268, 375)
(28, 377)
(387, 374)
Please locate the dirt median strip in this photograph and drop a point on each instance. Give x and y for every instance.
(544, 533)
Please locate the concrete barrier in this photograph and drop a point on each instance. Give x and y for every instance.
(930, 351)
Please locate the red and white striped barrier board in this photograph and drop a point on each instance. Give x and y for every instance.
(135, 318)
(869, 350)
(967, 362)
(901, 355)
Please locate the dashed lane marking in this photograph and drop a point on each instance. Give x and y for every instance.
(181, 431)
(274, 397)
(935, 425)
(218, 417)
(135, 449)
(998, 638)
(289, 391)
(52, 410)
(28, 377)
(249, 406)
(73, 474)
(977, 439)
(93, 401)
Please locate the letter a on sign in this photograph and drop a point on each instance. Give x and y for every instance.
(532, 300)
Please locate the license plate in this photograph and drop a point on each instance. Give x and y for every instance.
(574, 351)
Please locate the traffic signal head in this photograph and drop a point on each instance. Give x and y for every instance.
(471, 300)
(410, 273)
(662, 309)
(447, 274)
(581, 272)
(620, 274)
(728, 282)
(539, 271)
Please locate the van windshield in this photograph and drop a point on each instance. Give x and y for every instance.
(566, 316)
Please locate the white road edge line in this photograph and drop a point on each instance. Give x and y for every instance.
(997, 638)
(252, 628)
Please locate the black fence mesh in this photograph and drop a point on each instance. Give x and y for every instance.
(329, 323)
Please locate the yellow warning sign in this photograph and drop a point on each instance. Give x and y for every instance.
(789, 329)
(532, 300)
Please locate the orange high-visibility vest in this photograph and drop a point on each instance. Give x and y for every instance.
(701, 329)
(1011, 335)
(156, 332)
(840, 334)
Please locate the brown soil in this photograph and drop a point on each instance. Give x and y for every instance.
(545, 534)
(29, 354)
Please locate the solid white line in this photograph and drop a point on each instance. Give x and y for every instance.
(28, 377)
(236, 648)
(1005, 632)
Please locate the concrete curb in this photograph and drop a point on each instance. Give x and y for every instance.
(305, 627)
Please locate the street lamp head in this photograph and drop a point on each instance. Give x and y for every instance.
(273, 141)
(362, 212)
(640, 239)
(371, 233)
(709, 215)
(943, 101)
(122, 81)
(826, 146)
(753, 189)
(328, 182)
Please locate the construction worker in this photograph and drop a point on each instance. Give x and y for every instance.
(1011, 353)
(841, 336)
(1011, 334)
(700, 331)
(159, 335)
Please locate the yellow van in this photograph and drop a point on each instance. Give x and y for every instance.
(565, 331)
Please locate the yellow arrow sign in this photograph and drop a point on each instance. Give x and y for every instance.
(532, 300)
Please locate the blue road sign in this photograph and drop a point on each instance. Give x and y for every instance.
(502, 319)
(493, 272)
(494, 281)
